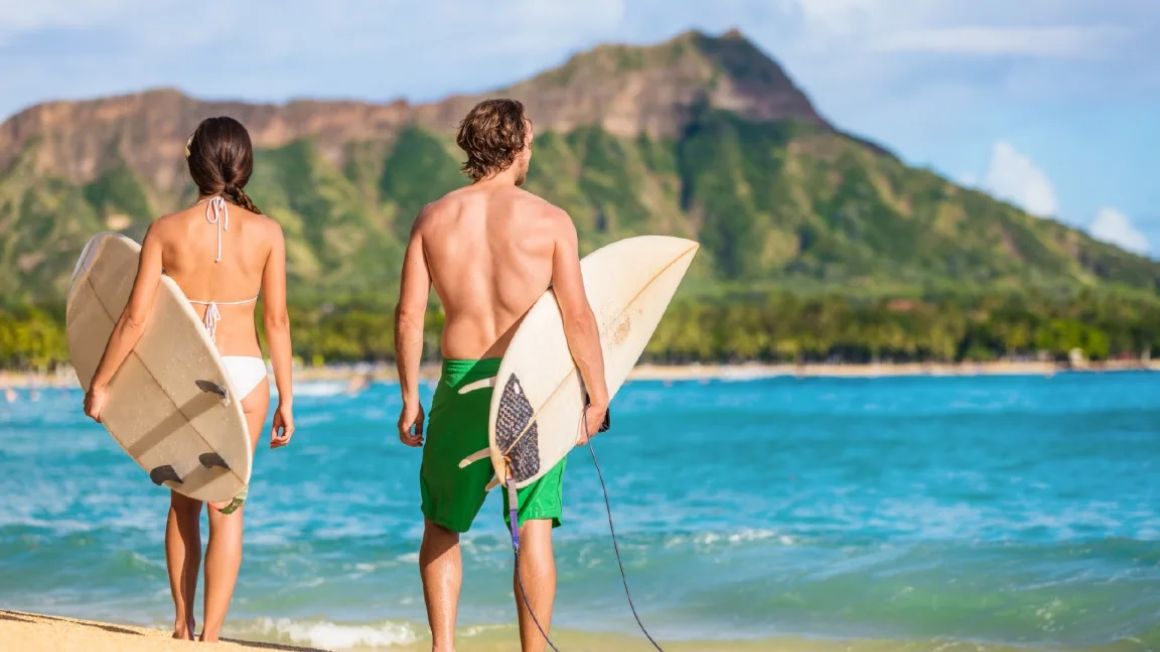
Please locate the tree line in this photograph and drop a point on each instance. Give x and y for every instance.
(767, 327)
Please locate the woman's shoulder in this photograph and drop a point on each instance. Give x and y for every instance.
(167, 223)
(266, 225)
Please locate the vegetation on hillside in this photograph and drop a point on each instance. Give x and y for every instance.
(815, 246)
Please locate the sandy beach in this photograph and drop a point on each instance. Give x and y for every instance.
(42, 633)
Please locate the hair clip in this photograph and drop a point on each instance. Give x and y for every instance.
(188, 143)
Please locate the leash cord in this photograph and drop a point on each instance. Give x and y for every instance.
(514, 518)
(514, 524)
(616, 548)
(528, 605)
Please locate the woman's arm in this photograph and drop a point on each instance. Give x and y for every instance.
(129, 327)
(277, 322)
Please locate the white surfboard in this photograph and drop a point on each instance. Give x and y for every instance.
(171, 406)
(539, 396)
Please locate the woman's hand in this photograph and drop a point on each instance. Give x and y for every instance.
(95, 400)
(411, 415)
(283, 428)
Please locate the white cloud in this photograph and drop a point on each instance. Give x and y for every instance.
(1065, 41)
(838, 15)
(16, 17)
(1013, 176)
(1113, 226)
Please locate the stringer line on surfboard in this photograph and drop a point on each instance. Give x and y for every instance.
(619, 315)
(475, 457)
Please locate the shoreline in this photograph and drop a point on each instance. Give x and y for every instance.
(754, 371)
(35, 632)
(358, 375)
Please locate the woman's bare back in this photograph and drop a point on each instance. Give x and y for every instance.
(189, 241)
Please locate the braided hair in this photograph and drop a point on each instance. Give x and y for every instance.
(221, 159)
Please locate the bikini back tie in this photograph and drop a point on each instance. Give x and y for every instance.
(217, 212)
(213, 315)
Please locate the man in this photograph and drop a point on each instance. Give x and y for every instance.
(490, 249)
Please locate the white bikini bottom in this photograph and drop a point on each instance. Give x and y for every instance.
(245, 372)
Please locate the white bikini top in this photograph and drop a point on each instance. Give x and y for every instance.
(217, 213)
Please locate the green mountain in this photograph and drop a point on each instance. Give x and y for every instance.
(701, 136)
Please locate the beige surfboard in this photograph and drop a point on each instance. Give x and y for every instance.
(171, 406)
(539, 396)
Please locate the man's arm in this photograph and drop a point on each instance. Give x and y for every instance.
(409, 313)
(579, 325)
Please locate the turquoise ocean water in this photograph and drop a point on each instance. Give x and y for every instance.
(998, 511)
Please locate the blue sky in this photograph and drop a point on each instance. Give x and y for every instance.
(1053, 104)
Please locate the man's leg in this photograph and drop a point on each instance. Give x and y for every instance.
(441, 568)
(537, 573)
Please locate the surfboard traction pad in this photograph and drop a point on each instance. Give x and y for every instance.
(515, 420)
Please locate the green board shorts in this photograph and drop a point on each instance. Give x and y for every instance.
(457, 427)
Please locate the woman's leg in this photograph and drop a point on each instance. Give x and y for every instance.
(183, 556)
(223, 555)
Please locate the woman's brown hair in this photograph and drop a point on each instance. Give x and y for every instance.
(492, 134)
(221, 159)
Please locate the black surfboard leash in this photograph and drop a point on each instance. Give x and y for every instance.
(513, 518)
(616, 548)
(514, 523)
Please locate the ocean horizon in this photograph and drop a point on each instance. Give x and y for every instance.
(981, 513)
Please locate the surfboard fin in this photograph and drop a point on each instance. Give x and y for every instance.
(478, 455)
(210, 460)
(163, 474)
(211, 387)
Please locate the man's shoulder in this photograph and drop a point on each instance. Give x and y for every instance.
(540, 208)
(447, 204)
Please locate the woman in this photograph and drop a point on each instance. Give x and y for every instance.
(223, 252)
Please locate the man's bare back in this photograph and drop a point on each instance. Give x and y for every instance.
(489, 250)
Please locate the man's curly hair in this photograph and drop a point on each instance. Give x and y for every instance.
(492, 134)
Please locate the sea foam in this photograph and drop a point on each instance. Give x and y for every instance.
(336, 636)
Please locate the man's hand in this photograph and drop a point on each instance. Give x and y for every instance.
(594, 416)
(95, 400)
(411, 415)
